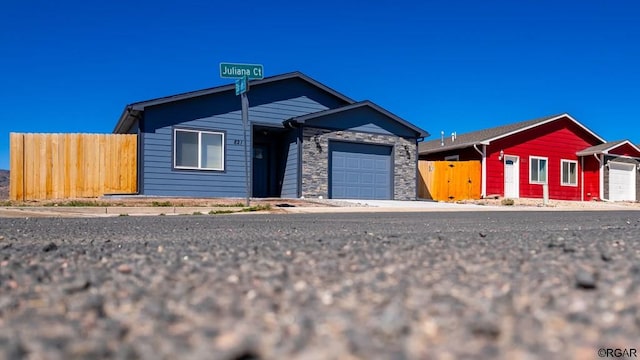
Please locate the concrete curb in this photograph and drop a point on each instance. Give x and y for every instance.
(479, 208)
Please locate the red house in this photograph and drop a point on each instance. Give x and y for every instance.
(558, 151)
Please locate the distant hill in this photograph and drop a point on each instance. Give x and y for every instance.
(4, 184)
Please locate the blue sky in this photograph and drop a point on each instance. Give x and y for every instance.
(72, 66)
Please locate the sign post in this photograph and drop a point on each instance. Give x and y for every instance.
(245, 127)
(243, 73)
(242, 85)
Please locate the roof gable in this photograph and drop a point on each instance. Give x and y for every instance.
(133, 111)
(327, 115)
(620, 147)
(486, 136)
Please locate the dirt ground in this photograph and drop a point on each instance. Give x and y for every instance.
(168, 202)
(552, 203)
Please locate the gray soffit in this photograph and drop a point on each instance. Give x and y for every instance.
(317, 115)
(125, 121)
(486, 136)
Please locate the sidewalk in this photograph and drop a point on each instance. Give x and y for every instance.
(371, 206)
(312, 206)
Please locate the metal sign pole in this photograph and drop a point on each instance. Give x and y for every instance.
(243, 73)
(245, 128)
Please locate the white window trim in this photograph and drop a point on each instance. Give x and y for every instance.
(199, 132)
(546, 180)
(452, 158)
(562, 162)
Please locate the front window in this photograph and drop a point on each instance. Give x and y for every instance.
(538, 170)
(202, 150)
(569, 173)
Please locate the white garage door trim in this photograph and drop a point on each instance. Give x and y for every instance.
(622, 181)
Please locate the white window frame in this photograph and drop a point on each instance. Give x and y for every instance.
(546, 180)
(199, 132)
(452, 158)
(562, 162)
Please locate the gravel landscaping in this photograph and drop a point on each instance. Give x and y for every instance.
(556, 285)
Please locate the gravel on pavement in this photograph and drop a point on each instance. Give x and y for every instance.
(324, 286)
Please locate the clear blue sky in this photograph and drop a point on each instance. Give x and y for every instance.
(72, 66)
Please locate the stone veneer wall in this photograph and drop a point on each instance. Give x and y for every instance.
(315, 160)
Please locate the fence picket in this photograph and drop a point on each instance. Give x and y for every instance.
(53, 166)
(449, 180)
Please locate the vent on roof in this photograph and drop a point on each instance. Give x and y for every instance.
(453, 136)
(442, 138)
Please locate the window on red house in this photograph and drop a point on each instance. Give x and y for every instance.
(538, 170)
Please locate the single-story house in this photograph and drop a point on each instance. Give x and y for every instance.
(558, 151)
(305, 139)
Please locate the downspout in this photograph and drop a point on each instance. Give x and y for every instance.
(601, 174)
(417, 192)
(581, 178)
(483, 153)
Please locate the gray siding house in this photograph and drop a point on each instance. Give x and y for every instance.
(306, 140)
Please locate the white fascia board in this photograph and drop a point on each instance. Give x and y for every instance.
(546, 122)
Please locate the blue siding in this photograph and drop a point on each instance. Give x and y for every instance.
(363, 120)
(291, 174)
(221, 112)
(275, 113)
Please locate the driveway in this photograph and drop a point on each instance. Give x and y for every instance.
(421, 204)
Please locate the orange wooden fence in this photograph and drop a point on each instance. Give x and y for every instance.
(449, 180)
(56, 166)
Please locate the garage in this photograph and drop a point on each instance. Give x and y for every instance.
(622, 182)
(360, 171)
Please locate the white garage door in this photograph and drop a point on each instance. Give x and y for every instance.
(622, 182)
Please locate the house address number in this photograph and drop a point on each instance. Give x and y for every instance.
(238, 142)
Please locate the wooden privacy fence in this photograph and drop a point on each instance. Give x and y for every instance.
(55, 166)
(449, 180)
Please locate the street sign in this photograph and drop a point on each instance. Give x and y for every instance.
(243, 73)
(242, 85)
(236, 71)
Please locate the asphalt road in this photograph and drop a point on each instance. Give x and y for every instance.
(329, 286)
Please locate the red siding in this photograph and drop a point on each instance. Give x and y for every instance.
(591, 178)
(558, 140)
(465, 154)
(625, 150)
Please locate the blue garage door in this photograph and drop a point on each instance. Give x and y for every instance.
(359, 171)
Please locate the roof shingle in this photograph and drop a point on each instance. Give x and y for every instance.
(486, 135)
(599, 148)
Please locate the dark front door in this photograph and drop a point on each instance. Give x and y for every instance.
(260, 171)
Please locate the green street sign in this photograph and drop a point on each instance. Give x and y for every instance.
(242, 85)
(236, 71)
